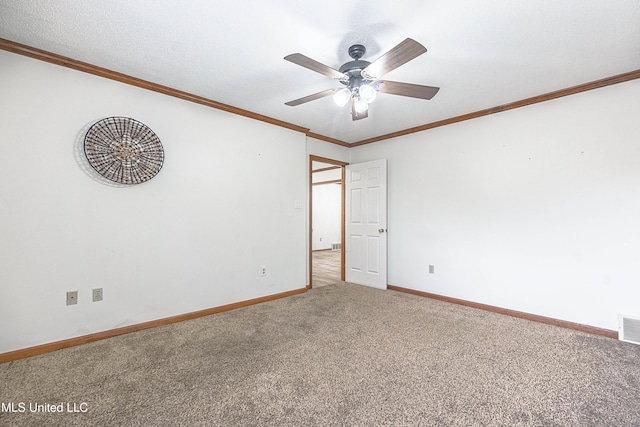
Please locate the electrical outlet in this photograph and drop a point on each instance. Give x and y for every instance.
(432, 269)
(97, 294)
(263, 271)
(72, 297)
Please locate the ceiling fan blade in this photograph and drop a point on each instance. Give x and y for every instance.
(355, 115)
(407, 89)
(313, 65)
(312, 97)
(402, 53)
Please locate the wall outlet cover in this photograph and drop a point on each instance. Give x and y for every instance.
(72, 297)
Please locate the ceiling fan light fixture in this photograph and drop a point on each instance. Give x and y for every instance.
(367, 93)
(360, 105)
(341, 97)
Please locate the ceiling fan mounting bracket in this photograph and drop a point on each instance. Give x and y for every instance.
(357, 51)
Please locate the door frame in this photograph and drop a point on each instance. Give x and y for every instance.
(342, 165)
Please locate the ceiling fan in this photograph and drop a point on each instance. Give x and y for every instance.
(362, 78)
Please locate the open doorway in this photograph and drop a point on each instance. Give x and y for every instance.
(326, 220)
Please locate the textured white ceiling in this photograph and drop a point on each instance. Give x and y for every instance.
(481, 53)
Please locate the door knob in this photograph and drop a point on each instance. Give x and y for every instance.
(380, 230)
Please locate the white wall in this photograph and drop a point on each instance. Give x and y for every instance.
(326, 208)
(535, 209)
(319, 148)
(193, 237)
(327, 215)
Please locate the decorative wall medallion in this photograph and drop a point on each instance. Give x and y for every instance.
(123, 150)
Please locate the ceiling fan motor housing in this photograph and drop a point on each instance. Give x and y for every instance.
(352, 69)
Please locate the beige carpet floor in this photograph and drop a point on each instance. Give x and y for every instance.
(338, 355)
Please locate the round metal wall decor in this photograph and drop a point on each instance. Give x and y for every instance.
(123, 150)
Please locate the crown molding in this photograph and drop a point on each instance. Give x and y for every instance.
(327, 139)
(74, 64)
(620, 78)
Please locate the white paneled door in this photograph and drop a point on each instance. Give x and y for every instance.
(366, 224)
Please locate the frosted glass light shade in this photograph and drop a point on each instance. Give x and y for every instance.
(361, 105)
(367, 93)
(341, 97)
